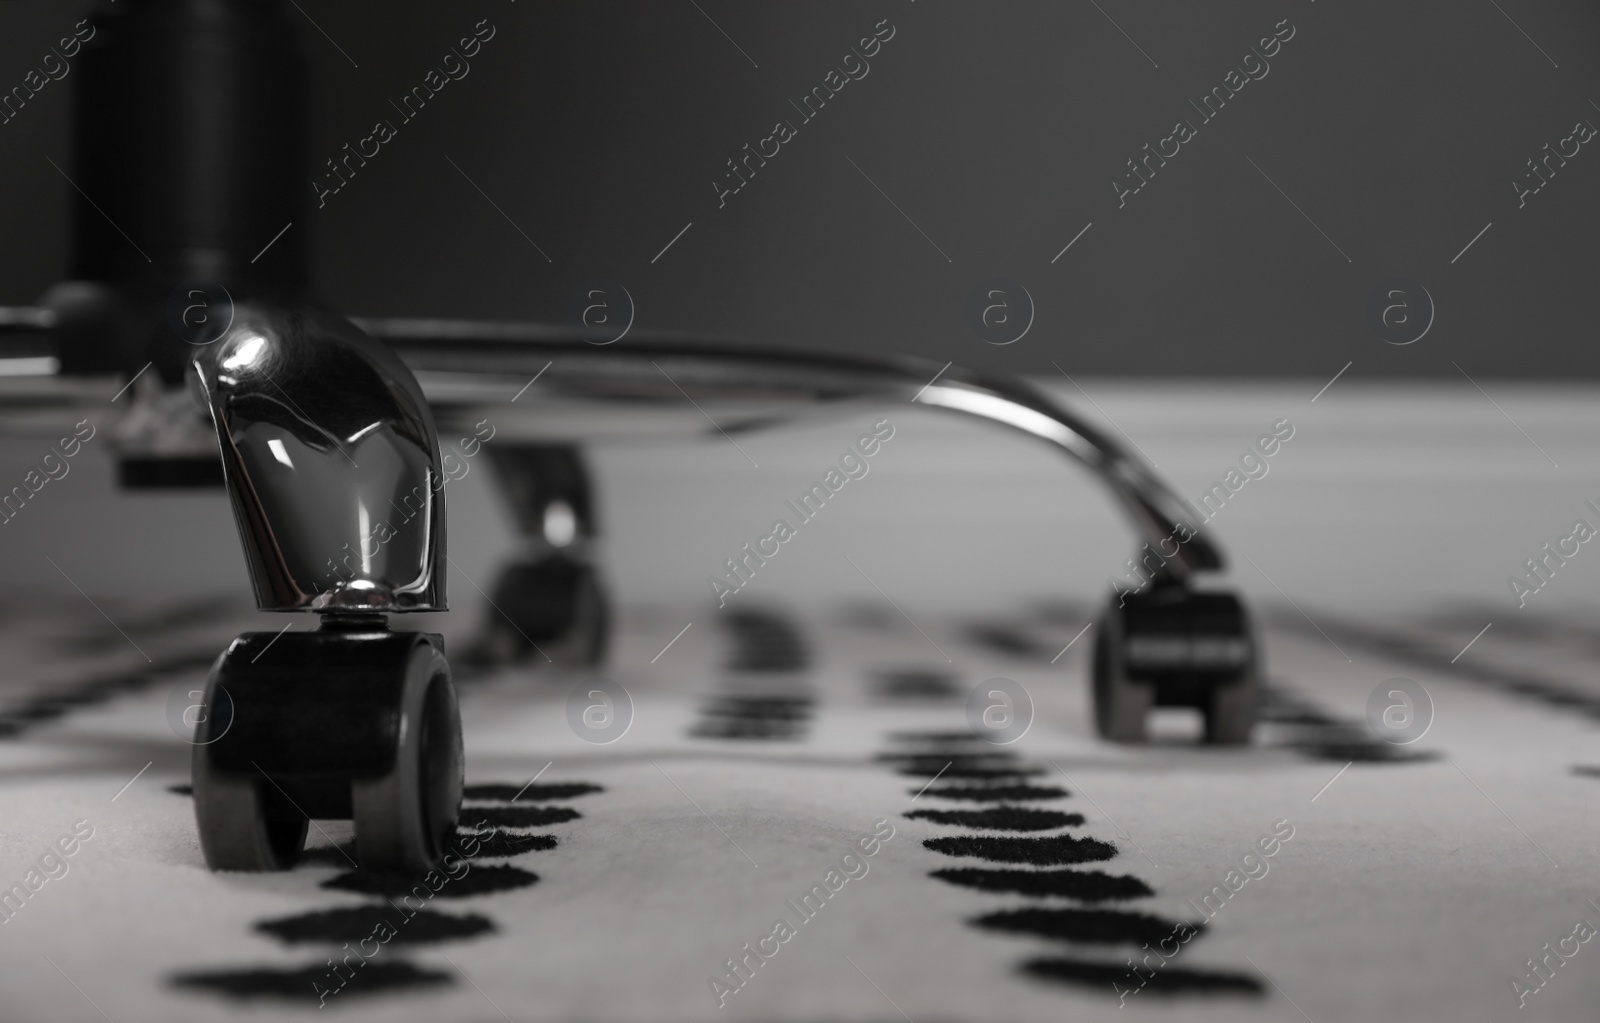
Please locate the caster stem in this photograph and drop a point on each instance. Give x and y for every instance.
(347, 621)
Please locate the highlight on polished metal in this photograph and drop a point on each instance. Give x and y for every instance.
(332, 463)
(465, 365)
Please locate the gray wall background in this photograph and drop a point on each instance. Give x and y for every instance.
(1398, 128)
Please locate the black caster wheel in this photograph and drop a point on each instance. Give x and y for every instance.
(245, 823)
(1121, 703)
(1174, 648)
(550, 597)
(351, 722)
(556, 603)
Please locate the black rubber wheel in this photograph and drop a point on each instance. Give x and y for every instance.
(405, 816)
(1121, 704)
(1230, 712)
(1226, 659)
(245, 823)
(1168, 647)
(556, 606)
(350, 722)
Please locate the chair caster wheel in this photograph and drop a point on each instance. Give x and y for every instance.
(344, 723)
(245, 823)
(1121, 703)
(1174, 648)
(556, 602)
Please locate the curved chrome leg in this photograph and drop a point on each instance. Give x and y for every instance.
(468, 364)
(1159, 515)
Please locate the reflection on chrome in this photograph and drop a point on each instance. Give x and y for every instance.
(332, 464)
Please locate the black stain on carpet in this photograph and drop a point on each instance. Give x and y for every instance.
(181, 790)
(1168, 980)
(995, 793)
(479, 880)
(1083, 885)
(297, 984)
(528, 793)
(1048, 852)
(410, 926)
(523, 816)
(1105, 926)
(1586, 771)
(1001, 818)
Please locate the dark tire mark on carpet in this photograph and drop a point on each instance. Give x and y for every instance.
(181, 790)
(995, 793)
(1586, 771)
(411, 926)
(1001, 818)
(1049, 852)
(528, 793)
(1168, 980)
(523, 816)
(1106, 926)
(1083, 885)
(480, 880)
(296, 985)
